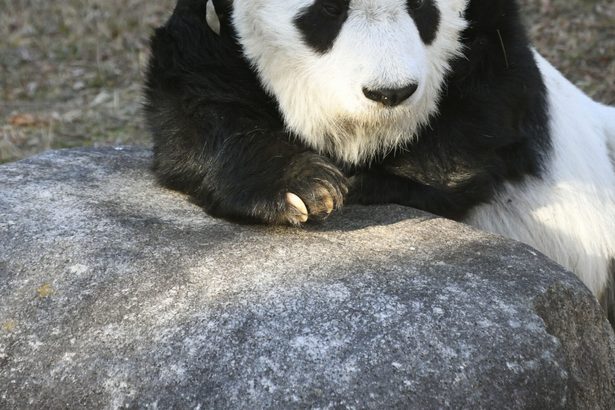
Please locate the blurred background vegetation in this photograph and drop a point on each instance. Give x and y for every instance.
(71, 71)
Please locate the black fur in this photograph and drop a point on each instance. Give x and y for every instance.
(491, 126)
(426, 17)
(219, 137)
(321, 23)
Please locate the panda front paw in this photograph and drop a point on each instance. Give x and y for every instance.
(313, 188)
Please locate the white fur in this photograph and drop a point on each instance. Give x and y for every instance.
(321, 96)
(608, 117)
(569, 214)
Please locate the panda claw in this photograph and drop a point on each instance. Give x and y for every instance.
(329, 204)
(295, 202)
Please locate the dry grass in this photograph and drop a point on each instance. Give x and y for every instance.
(578, 36)
(71, 71)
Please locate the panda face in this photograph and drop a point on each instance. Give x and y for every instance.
(353, 78)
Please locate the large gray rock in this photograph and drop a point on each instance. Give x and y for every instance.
(115, 292)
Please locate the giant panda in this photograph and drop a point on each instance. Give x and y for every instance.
(280, 111)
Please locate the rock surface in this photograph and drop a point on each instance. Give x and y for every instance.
(115, 292)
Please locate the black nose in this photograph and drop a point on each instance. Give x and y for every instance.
(391, 97)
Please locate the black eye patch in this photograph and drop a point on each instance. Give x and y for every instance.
(321, 23)
(426, 17)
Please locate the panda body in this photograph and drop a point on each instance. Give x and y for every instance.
(280, 111)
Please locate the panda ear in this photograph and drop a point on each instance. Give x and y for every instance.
(213, 21)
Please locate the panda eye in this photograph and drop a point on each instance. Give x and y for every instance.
(415, 4)
(333, 8)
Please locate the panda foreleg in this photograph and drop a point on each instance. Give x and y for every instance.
(239, 171)
(219, 137)
(380, 187)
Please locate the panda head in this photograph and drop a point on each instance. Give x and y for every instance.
(353, 78)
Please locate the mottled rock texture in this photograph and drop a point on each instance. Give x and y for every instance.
(115, 292)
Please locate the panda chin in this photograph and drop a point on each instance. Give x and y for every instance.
(363, 135)
(361, 138)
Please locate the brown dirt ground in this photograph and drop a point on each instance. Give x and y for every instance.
(71, 71)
